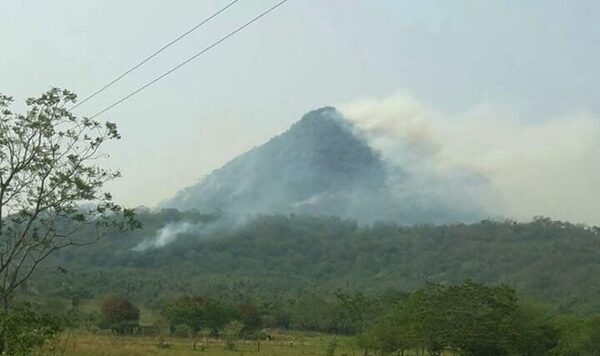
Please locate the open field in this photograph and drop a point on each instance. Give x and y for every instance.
(283, 343)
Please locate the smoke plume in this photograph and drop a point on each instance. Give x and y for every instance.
(168, 234)
(548, 167)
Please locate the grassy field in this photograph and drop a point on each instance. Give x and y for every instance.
(283, 343)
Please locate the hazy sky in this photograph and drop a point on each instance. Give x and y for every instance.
(536, 59)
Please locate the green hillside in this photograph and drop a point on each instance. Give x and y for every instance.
(551, 261)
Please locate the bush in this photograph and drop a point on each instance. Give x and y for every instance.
(183, 330)
(199, 313)
(22, 330)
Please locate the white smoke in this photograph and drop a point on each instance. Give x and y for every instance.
(548, 168)
(167, 234)
(179, 229)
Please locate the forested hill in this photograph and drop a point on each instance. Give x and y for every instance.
(555, 262)
(312, 167)
(323, 165)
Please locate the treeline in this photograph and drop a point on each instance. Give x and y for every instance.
(466, 319)
(552, 261)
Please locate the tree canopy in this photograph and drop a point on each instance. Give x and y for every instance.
(290, 256)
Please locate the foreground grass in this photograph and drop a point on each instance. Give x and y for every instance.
(283, 343)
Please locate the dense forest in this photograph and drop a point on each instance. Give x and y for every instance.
(280, 256)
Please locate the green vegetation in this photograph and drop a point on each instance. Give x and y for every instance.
(200, 314)
(462, 289)
(231, 284)
(470, 318)
(463, 319)
(52, 197)
(280, 257)
(389, 288)
(24, 330)
(287, 343)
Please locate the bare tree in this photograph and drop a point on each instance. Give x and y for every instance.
(51, 189)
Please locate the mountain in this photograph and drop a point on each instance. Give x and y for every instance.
(322, 165)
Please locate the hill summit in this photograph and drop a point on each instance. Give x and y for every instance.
(321, 165)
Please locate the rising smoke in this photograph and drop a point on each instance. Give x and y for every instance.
(485, 162)
(190, 229)
(548, 168)
(168, 234)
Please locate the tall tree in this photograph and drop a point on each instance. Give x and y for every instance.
(51, 189)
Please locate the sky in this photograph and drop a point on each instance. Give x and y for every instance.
(522, 68)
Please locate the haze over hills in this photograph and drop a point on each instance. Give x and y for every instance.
(322, 165)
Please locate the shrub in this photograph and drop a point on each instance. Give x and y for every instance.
(183, 330)
(22, 330)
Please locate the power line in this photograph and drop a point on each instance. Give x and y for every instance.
(154, 54)
(223, 39)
